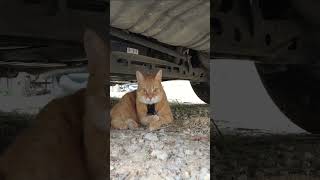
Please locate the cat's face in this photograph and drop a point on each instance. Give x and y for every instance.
(149, 90)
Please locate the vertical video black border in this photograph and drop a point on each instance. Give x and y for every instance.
(107, 35)
(211, 92)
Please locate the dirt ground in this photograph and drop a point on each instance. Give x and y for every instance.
(11, 124)
(245, 154)
(180, 150)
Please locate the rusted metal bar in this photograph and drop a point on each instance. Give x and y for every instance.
(133, 38)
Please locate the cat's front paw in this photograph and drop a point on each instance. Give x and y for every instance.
(132, 124)
(149, 119)
(154, 118)
(155, 125)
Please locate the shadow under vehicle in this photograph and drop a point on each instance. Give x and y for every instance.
(145, 35)
(283, 39)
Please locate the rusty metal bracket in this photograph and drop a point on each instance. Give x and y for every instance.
(126, 64)
(240, 31)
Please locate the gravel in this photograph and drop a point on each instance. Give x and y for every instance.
(246, 154)
(177, 151)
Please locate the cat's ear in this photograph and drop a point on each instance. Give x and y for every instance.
(140, 76)
(159, 75)
(97, 52)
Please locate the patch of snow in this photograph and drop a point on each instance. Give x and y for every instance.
(13, 92)
(177, 91)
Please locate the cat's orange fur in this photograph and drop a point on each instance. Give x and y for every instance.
(68, 140)
(131, 111)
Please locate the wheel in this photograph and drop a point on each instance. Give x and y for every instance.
(295, 89)
(202, 90)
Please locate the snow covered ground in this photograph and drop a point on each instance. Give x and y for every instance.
(177, 91)
(12, 97)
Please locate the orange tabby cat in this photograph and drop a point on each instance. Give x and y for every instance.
(132, 110)
(68, 140)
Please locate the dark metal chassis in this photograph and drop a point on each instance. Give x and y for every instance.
(265, 31)
(39, 36)
(45, 37)
(283, 39)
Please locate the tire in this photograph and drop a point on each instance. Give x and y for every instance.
(296, 91)
(202, 90)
